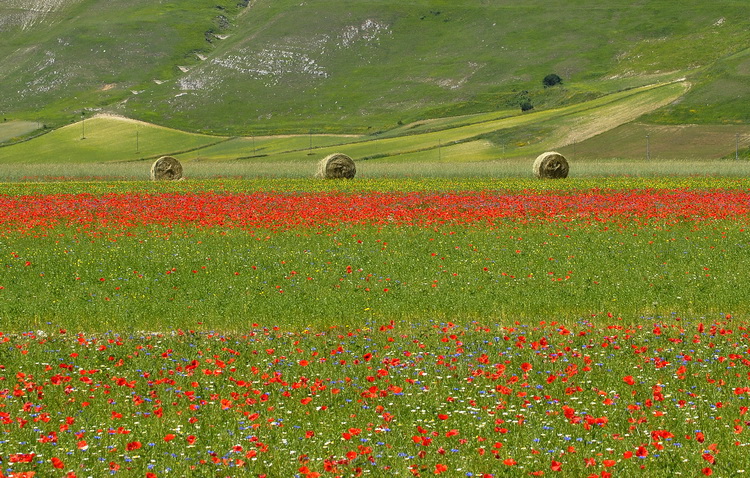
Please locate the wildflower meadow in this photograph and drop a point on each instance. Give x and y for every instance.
(299, 328)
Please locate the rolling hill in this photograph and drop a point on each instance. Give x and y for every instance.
(233, 67)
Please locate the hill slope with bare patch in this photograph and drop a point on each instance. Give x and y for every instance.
(279, 66)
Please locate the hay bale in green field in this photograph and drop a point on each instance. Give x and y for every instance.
(551, 165)
(166, 168)
(336, 166)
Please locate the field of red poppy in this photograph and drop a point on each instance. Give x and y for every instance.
(382, 328)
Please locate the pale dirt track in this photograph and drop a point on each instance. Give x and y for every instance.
(588, 126)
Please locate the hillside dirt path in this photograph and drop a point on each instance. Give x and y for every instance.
(590, 125)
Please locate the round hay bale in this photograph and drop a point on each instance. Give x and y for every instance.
(336, 166)
(551, 165)
(166, 168)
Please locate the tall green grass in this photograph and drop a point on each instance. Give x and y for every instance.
(153, 280)
(195, 172)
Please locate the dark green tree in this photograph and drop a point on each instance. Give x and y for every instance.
(551, 80)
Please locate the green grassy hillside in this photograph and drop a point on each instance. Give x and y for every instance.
(62, 56)
(244, 68)
(104, 139)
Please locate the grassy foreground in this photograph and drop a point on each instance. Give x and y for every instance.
(396, 328)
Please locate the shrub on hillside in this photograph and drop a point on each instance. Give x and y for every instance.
(551, 80)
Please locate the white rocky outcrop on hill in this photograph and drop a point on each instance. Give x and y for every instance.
(291, 55)
(24, 14)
